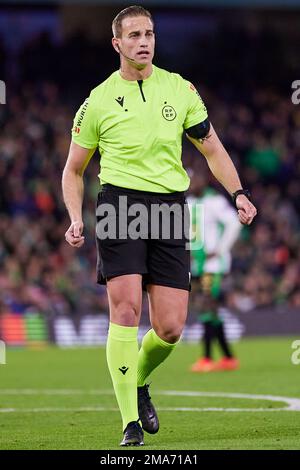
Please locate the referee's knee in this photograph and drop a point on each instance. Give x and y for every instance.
(125, 314)
(170, 334)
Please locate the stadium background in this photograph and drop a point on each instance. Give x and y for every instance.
(243, 57)
(242, 61)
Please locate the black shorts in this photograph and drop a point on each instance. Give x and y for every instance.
(150, 239)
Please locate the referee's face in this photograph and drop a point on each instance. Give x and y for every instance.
(137, 40)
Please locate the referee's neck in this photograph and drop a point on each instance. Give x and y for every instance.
(130, 72)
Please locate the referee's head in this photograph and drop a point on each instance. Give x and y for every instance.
(133, 35)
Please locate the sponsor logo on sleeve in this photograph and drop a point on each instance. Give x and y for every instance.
(83, 109)
(194, 89)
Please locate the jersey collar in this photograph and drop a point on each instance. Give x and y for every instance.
(130, 82)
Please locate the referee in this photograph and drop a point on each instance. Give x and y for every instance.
(136, 118)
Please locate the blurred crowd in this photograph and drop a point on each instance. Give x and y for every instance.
(262, 135)
(39, 271)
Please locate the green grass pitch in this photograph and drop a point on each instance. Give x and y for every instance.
(62, 399)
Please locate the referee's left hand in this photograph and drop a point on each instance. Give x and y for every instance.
(246, 210)
(74, 234)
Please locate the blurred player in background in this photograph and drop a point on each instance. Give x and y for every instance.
(210, 262)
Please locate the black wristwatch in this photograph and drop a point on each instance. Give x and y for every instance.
(246, 192)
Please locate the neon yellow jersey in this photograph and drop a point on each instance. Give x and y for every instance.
(138, 127)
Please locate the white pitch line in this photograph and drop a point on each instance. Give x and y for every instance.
(293, 404)
(226, 409)
(97, 409)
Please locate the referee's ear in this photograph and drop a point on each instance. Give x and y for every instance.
(115, 45)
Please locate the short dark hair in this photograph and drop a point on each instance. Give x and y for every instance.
(134, 10)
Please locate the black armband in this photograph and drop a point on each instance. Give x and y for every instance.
(199, 131)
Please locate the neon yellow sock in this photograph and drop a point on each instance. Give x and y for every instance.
(122, 358)
(153, 352)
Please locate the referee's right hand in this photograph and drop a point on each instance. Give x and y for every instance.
(74, 234)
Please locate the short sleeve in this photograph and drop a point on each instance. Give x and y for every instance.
(196, 110)
(85, 126)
